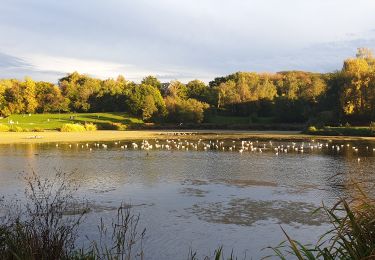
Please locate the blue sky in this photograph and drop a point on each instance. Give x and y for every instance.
(179, 39)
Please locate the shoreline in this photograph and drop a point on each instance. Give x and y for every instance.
(106, 135)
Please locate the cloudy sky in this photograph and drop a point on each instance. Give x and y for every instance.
(179, 39)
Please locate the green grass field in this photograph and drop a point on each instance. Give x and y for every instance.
(55, 121)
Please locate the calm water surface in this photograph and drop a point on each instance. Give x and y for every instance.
(205, 196)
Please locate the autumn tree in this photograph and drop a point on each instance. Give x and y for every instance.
(177, 89)
(355, 90)
(50, 98)
(28, 89)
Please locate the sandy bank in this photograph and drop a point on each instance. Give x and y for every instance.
(43, 137)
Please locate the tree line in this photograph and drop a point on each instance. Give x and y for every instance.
(347, 95)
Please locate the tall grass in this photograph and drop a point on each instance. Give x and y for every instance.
(121, 240)
(352, 233)
(45, 226)
(39, 228)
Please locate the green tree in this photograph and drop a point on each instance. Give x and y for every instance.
(177, 89)
(198, 90)
(138, 101)
(148, 107)
(78, 89)
(185, 110)
(152, 81)
(228, 94)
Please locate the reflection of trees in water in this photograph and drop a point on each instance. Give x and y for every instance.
(247, 212)
(349, 169)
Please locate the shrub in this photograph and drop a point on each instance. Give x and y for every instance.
(37, 129)
(4, 128)
(72, 128)
(185, 111)
(311, 129)
(372, 126)
(90, 127)
(16, 129)
(113, 126)
(121, 127)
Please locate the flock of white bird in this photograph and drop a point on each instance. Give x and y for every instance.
(240, 146)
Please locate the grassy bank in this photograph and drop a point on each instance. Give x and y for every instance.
(123, 121)
(41, 122)
(343, 131)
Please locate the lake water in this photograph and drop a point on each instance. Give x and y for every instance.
(200, 195)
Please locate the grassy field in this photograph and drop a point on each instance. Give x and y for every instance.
(55, 121)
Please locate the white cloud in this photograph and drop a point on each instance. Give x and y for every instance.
(181, 39)
(57, 66)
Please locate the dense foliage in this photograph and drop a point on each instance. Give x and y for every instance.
(345, 96)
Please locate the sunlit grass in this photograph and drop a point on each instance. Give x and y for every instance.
(342, 131)
(56, 121)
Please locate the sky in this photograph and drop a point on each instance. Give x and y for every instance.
(179, 39)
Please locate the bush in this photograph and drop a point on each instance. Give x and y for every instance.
(72, 128)
(4, 128)
(112, 126)
(16, 129)
(90, 127)
(185, 111)
(311, 129)
(37, 129)
(372, 126)
(121, 127)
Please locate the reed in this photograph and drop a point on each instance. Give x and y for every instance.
(352, 233)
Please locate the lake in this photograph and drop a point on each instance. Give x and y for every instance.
(201, 194)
